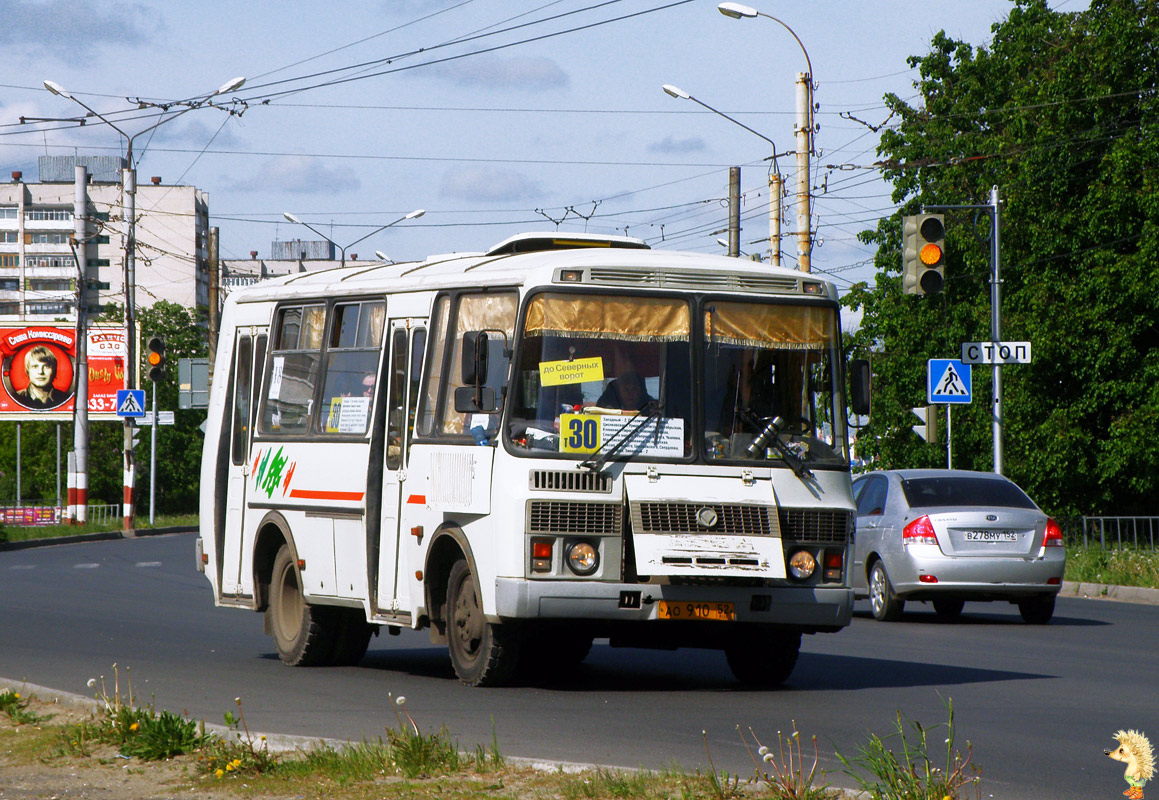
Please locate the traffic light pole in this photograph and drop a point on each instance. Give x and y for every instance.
(994, 209)
(153, 459)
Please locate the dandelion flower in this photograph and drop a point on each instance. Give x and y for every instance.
(229, 767)
(236, 762)
(134, 727)
(16, 695)
(220, 773)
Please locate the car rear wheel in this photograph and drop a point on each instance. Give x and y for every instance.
(1037, 610)
(885, 604)
(949, 609)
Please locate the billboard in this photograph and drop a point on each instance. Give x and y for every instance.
(38, 365)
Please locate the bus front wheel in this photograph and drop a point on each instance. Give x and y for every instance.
(482, 653)
(764, 659)
(301, 633)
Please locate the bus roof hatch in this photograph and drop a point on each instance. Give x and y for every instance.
(534, 242)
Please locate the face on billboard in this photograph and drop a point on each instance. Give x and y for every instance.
(37, 371)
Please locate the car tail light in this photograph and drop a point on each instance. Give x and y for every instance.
(920, 531)
(927, 578)
(1053, 537)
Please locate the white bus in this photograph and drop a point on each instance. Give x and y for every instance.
(523, 450)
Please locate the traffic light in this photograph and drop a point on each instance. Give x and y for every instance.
(155, 357)
(923, 254)
(928, 430)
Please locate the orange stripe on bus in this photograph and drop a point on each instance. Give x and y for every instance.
(311, 494)
(417, 499)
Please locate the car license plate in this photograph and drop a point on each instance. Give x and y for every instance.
(694, 610)
(991, 536)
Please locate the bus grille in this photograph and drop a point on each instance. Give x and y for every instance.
(740, 520)
(816, 525)
(693, 279)
(568, 518)
(575, 481)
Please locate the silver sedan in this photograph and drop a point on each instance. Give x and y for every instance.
(948, 536)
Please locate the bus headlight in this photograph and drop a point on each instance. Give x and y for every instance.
(802, 564)
(582, 558)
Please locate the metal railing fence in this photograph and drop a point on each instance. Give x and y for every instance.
(1111, 532)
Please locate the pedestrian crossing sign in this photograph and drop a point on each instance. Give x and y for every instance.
(130, 402)
(948, 380)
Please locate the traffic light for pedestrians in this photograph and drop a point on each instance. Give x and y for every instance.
(155, 357)
(923, 254)
(928, 430)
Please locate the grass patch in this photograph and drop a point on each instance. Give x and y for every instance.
(27, 533)
(1117, 567)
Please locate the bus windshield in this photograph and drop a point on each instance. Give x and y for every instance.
(595, 372)
(763, 361)
(592, 369)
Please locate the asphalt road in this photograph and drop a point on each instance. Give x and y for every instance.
(1038, 704)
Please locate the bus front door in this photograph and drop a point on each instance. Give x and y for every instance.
(403, 367)
(249, 353)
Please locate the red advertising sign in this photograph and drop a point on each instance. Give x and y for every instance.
(38, 367)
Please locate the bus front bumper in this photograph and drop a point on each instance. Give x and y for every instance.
(810, 608)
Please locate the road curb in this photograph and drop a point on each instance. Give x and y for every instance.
(1102, 591)
(103, 536)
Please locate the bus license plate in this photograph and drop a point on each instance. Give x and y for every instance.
(692, 610)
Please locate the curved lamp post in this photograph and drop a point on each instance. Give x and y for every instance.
(774, 175)
(418, 212)
(129, 189)
(804, 133)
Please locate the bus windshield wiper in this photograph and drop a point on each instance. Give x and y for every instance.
(771, 434)
(651, 410)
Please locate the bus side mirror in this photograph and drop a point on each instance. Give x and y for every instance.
(859, 386)
(475, 353)
(472, 400)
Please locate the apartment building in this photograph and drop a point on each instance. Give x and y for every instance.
(39, 271)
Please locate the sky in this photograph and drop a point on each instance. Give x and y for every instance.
(495, 116)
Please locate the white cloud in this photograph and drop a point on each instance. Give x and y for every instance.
(490, 185)
(490, 72)
(299, 175)
(72, 30)
(668, 144)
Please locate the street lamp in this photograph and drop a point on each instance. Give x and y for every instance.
(384, 257)
(804, 133)
(418, 212)
(129, 189)
(774, 174)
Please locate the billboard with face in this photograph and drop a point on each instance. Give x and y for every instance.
(38, 372)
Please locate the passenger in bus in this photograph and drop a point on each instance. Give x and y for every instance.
(368, 384)
(626, 392)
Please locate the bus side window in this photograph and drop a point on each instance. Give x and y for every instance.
(396, 405)
(351, 366)
(241, 400)
(292, 373)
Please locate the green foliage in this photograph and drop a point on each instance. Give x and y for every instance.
(134, 730)
(1117, 567)
(1060, 113)
(16, 708)
(911, 774)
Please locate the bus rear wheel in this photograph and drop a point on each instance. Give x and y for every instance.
(303, 634)
(764, 659)
(482, 653)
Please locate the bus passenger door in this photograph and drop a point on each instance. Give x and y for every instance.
(249, 353)
(404, 360)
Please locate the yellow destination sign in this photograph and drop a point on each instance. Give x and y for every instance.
(563, 373)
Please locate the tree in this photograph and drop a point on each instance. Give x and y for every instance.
(1061, 112)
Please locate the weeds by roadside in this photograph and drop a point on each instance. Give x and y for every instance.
(1116, 567)
(903, 765)
(913, 775)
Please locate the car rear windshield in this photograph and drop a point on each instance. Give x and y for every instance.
(926, 492)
